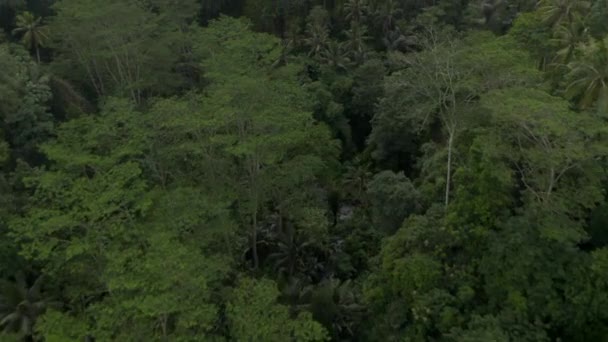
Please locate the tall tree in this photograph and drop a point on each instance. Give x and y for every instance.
(33, 34)
(121, 49)
(555, 153)
(439, 85)
(260, 117)
(587, 77)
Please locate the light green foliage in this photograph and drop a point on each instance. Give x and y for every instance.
(167, 287)
(549, 279)
(529, 31)
(254, 315)
(408, 294)
(56, 326)
(554, 150)
(99, 183)
(260, 117)
(157, 252)
(483, 191)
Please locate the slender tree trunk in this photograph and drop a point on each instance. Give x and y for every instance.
(448, 176)
(164, 327)
(38, 54)
(254, 240)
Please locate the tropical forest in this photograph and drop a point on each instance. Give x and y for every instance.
(304, 170)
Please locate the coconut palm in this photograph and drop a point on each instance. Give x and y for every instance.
(290, 254)
(356, 37)
(317, 38)
(317, 31)
(554, 12)
(21, 305)
(334, 55)
(355, 10)
(336, 305)
(33, 33)
(355, 179)
(568, 38)
(588, 77)
(395, 40)
(386, 14)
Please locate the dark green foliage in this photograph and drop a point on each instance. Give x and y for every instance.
(316, 170)
(393, 198)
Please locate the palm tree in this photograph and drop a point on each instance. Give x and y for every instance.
(356, 37)
(554, 12)
(356, 178)
(568, 38)
(33, 34)
(355, 10)
(334, 55)
(386, 14)
(317, 38)
(21, 305)
(397, 41)
(588, 77)
(290, 255)
(336, 305)
(317, 31)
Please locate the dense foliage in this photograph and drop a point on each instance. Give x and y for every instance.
(303, 170)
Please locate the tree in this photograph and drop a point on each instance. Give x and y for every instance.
(120, 241)
(118, 48)
(165, 288)
(98, 177)
(21, 304)
(555, 12)
(569, 38)
(26, 119)
(355, 10)
(387, 13)
(440, 85)
(587, 77)
(393, 198)
(555, 153)
(317, 30)
(262, 122)
(337, 306)
(254, 315)
(33, 34)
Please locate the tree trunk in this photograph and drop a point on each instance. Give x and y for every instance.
(254, 240)
(448, 177)
(38, 54)
(164, 327)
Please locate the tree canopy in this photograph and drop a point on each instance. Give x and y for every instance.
(345, 170)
